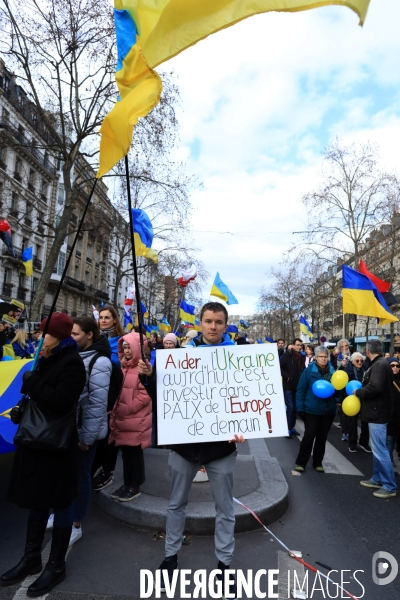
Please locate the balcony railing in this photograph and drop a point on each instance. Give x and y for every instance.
(102, 295)
(75, 283)
(31, 149)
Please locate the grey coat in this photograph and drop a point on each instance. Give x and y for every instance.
(92, 406)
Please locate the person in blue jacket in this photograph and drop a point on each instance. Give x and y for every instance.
(111, 328)
(21, 345)
(317, 413)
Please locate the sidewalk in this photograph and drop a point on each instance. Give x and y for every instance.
(259, 483)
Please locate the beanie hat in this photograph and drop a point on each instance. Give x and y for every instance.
(60, 326)
(393, 359)
(171, 337)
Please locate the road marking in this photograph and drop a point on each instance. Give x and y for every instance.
(334, 462)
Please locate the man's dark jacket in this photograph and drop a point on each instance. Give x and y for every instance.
(290, 370)
(203, 452)
(376, 395)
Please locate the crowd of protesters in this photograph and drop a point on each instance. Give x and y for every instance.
(95, 371)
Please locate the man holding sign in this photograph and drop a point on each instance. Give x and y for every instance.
(185, 459)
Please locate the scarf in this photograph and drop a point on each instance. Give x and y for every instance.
(324, 371)
(107, 333)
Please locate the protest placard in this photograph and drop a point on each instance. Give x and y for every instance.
(211, 393)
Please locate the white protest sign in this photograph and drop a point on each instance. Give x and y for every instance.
(211, 393)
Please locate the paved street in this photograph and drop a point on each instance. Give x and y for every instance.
(331, 520)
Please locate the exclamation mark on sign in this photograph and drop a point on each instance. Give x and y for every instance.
(268, 414)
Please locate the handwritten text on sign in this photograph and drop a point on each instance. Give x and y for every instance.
(211, 393)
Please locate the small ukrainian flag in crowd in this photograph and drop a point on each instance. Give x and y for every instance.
(186, 312)
(27, 259)
(220, 290)
(305, 327)
(143, 234)
(164, 325)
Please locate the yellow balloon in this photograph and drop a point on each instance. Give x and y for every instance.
(339, 380)
(351, 406)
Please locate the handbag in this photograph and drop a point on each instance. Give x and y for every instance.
(43, 430)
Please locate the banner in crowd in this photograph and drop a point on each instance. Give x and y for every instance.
(10, 393)
(209, 394)
(11, 311)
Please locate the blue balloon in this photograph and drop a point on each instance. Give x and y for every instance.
(353, 385)
(323, 389)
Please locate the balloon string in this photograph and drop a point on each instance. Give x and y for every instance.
(291, 553)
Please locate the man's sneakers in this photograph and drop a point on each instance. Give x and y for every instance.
(169, 564)
(76, 535)
(229, 592)
(294, 432)
(365, 447)
(320, 469)
(345, 437)
(299, 468)
(352, 449)
(102, 480)
(384, 493)
(50, 522)
(369, 483)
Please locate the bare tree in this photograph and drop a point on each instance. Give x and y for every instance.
(63, 53)
(343, 210)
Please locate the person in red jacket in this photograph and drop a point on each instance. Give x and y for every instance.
(131, 419)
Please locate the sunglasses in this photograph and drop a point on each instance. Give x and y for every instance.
(358, 360)
(395, 366)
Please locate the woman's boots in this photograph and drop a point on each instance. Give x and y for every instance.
(31, 562)
(54, 572)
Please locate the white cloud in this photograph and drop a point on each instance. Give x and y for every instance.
(260, 101)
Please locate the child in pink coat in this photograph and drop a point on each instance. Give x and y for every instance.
(131, 419)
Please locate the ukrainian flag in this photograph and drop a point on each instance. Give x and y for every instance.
(362, 297)
(305, 327)
(186, 312)
(220, 290)
(144, 313)
(150, 32)
(10, 393)
(164, 325)
(143, 235)
(27, 259)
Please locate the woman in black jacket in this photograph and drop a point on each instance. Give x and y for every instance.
(393, 427)
(43, 479)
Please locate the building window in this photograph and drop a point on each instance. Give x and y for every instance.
(61, 194)
(76, 272)
(17, 165)
(87, 274)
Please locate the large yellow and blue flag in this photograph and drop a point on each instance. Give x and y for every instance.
(11, 372)
(143, 234)
(362, 297)
(220, 290)
(305, 327)
(27, 259)
(150, 32)
(186, 312)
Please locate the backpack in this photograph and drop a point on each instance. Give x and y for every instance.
(116, 381)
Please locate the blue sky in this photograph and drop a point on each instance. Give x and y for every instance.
(260, 101)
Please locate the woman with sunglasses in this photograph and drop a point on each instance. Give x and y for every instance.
(393, 427)
(355, 369)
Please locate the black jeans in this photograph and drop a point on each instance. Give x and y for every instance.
(353, 433)
(133, 463)
(316, 428)
(106, 456)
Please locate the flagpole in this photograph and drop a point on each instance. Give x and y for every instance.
(179, 309)
(58, 290)
(135, 272)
